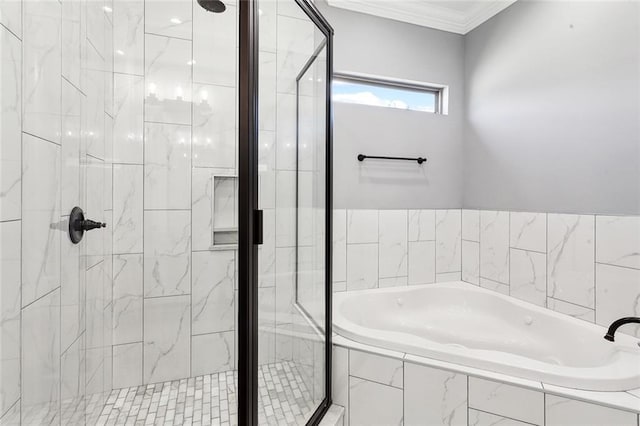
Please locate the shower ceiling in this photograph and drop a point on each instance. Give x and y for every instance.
(456, 16)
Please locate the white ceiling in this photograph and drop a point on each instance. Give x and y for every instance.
(456, 16)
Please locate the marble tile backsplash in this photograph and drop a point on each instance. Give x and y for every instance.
(586, 266)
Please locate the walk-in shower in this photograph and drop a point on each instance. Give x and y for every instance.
(133, 120)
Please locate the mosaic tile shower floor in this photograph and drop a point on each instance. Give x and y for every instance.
(211, 400)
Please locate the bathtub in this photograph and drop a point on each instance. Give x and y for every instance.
(464, 324)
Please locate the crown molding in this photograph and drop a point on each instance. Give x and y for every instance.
(428, 14)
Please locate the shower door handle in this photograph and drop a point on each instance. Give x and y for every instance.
(258, 227)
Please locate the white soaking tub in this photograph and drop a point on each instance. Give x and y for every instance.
(468, 325)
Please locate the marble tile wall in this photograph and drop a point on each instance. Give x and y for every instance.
(55, 153)
(385, 248)
(387, 389)
(585, 266)
(175, 127)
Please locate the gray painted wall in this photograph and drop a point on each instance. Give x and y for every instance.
(372, 45)
(552, 109)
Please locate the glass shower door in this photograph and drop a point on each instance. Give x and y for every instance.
(293, 274)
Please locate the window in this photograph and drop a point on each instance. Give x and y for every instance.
(387, 93)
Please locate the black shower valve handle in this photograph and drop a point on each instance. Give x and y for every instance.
(87, 225)
(78, 225)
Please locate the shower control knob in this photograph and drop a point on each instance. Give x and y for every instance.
(78, 225)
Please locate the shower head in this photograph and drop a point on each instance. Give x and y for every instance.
(215, 6)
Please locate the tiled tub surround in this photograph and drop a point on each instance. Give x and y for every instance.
(461, 323)
(382, 387)
(586, 266)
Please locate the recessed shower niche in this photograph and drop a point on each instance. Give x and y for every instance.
(224, 208)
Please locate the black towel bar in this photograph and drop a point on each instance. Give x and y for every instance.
(420, 160)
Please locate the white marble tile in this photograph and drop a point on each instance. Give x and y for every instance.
(171, 18)
(202, 208)
(267, 98)
(267, 322)
(41, 84)
(41, 210)
(95, 381)
(167, 334)
(214, 126)
(422, 225)
(362, 226)
(167, 253)
(509, 401)
(471, 262)
(93, 104)
(362, 266)
(212, 353)
(570, 259)
(40, 381)
(127, 365)
(128, 126)
(421, 262)
(480, 418)
(108, 68)
(94, 306)
(95, 14)
(621, 400)
(128, 36)
(448, 240)
(212, 299)
(528, 276)
(71, 41)
(392, 237)
(11, 16)
(214, 46)
(387, 371)
(562, 411)
(371, 403)
(72, 375)
(617, 296)
(267, 251)
(446, 277)
(434, 397)
(70, 153)
(339, 267)
(285, 284)
(94, 208)
(10, 121)
(471, 225)
(9, 315)
(167, 166)
(295, 45)
(618, 240)
(528, 231)
(494, 246)
(127, 298)
(71, 292)
(168, 66)
(391, 282)
(286, 135)
(340, 378)
(494, 285)
(127, 208)
(285, 208)
(576, 311)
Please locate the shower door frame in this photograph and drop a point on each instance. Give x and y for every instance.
(250, 218)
